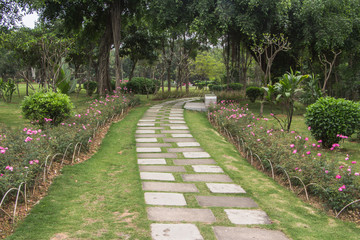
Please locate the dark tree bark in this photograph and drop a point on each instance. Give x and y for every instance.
(116, 11)
(103, 68)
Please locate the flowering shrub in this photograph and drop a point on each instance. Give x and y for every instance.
(331, 118)
(25, 153)
(289, 153)
(44, 107)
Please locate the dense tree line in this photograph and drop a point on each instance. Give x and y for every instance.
(312, 36)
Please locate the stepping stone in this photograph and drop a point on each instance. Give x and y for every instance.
(146, 124)
(180, 214)
(175, 131)
(196, 155)
(219, 201)
(176, 114)
(150, 135)
(145, 131)
(177, 122)
(157, 155)
(153, 144)
(179, 139)
(146, 150)
(188, 144)
(152, 161)
(242, 216)
(152, 128)
(207, 168)
(240, 233)
(224, 188)
(178, 127)
(142, 140)
(181, 135)
(169, 199)
(176, 118)
(157, 176)
(205, 178)
(185, 149)
(147, 120)
(193, 161)
(169, 187)
(162, 169)
(181, 231)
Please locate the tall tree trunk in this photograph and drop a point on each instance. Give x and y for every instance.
(103, 66)
(116, 29)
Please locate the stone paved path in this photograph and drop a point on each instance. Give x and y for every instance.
(173, 166)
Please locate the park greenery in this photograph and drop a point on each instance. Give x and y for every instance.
(286, 75)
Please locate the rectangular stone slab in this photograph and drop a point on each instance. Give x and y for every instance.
(151, 161)
(157, 176)
(188, 144)
(152, 128)
(169, 199)
(157, 155)
(176, 118)
(153, 144)
(196, 154)
(179, 139)
(225, 188)
(242, 233)
(146, 124)
(148, 150)
(178, 127)
(207, 169)
(173, 125)
(185, 149)
(223, 201)
(150, 135)
(146, 140)
(145, 131)
(162, 169)
(179, 231)
(180, 214)
(147, 120)
(181, 135)
(193, 161)
(206, 178)
(169, 187)
(175, 131)
(174, 121)
(244, 217)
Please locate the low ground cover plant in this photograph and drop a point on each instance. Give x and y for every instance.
(26, 154)
(298, 159)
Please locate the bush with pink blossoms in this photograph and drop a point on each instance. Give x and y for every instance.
(25, 153)
(291, 153)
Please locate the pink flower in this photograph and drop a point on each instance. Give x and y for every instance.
(90, 140)
(258, 140)
(292, 131)
(292, 145)
(356, 174)
(306, 139)
(309, 128)
(341, 167)
(36, 161)
(319, 154)
(326, 171)
(353, 162)
(31, 162)
(271, 114)
(320, 141)
(340, 189)
(295, 151)
(338, 176)
(28, 139)
(9, 168)
(308, 153)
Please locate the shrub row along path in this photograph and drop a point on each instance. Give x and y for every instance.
(175, 170)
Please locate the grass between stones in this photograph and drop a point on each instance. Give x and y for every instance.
(97, 199)
(298, 220)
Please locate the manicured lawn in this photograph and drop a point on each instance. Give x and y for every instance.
(98, 199)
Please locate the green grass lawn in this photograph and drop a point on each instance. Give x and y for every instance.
(97, 199)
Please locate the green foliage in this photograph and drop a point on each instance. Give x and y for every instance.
(62, 83)
(235, 86)
(42, 106)
(253, 93)
(223, 87)
(140, 85)
(90, 87)
(7, 89)
(311, 90)
(332, 119)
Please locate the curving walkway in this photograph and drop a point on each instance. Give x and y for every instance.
(174, 169)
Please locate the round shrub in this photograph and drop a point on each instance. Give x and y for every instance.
(140, 85)
(330, 119)
(42, 106)
(90, 87)
(253, 93)
(218, 88)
